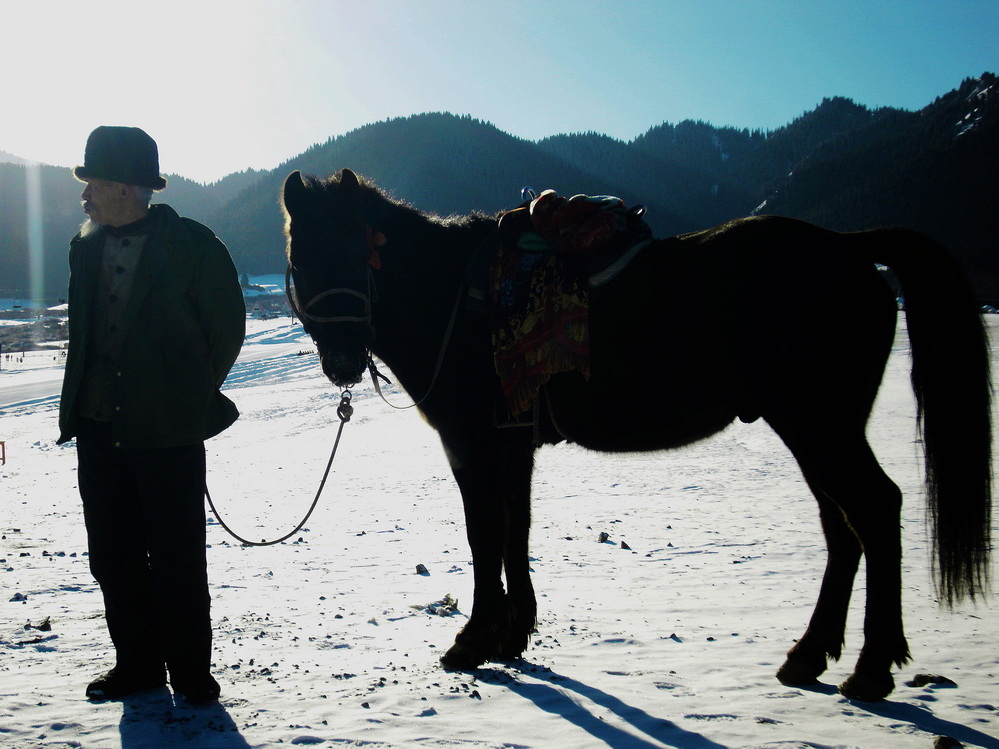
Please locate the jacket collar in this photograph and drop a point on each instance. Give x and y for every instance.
(143, 226)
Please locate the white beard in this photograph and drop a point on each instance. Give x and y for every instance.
(88, 227)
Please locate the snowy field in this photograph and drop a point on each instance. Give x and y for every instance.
(330, 639)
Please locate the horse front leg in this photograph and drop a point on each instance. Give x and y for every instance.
(516, 558)
(494, 476)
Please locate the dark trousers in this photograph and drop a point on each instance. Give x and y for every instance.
(145, 516)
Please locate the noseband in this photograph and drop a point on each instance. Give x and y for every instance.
(303, 311)
(369, 332)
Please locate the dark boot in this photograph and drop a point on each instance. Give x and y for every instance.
(198, 690)
(122, 681)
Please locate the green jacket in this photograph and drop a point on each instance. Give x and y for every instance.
(181, 333)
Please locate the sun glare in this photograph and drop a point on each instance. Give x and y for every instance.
(36, 255)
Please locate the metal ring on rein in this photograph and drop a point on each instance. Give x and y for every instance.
(344, 411)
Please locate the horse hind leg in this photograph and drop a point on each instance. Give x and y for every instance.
(847, 475)
(877, 525)
(823, 639)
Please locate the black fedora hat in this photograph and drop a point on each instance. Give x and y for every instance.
(121, 154)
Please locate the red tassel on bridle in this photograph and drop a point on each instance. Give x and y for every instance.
(374, 239)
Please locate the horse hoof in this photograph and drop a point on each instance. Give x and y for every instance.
(796, 673)
(867, 688)
(460, 658)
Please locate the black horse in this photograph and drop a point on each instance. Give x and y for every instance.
(762, 317)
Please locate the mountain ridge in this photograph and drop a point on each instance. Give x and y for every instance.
(841, 164)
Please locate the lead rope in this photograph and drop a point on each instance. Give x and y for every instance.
(344, 411)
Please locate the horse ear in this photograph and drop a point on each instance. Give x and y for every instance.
(294, 188)
(348, 180)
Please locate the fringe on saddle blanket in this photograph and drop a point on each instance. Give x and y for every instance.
(538, 288)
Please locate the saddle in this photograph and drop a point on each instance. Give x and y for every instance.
(551, 252)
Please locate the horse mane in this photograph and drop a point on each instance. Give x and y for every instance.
(384, 212)
(381, 201)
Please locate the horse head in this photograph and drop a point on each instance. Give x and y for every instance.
(332, 252)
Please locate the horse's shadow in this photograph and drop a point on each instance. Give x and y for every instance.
(156, 719)
(917, 716)
(552, 698)
(922, 718)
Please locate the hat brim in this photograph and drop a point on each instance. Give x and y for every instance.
(83, 174)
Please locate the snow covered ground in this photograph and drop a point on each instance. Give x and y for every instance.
(329, 638)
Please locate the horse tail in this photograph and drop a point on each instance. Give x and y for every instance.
(951, 377)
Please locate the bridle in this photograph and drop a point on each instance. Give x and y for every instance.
(374, 263)
(373, 240)
(304, 313)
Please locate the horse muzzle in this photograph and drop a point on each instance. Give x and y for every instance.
(343, 370)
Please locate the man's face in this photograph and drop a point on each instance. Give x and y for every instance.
(106, 202)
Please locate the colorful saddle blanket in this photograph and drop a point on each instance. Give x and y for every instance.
(538, 286)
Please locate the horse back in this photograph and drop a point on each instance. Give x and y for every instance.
(756, 315)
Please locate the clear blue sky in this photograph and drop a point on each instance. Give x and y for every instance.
(228, 84)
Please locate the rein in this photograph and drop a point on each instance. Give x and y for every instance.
(448, 332)
(344, 411)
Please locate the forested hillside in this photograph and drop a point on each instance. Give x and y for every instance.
(841, 165)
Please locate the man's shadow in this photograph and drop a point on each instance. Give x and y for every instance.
(155, 719)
